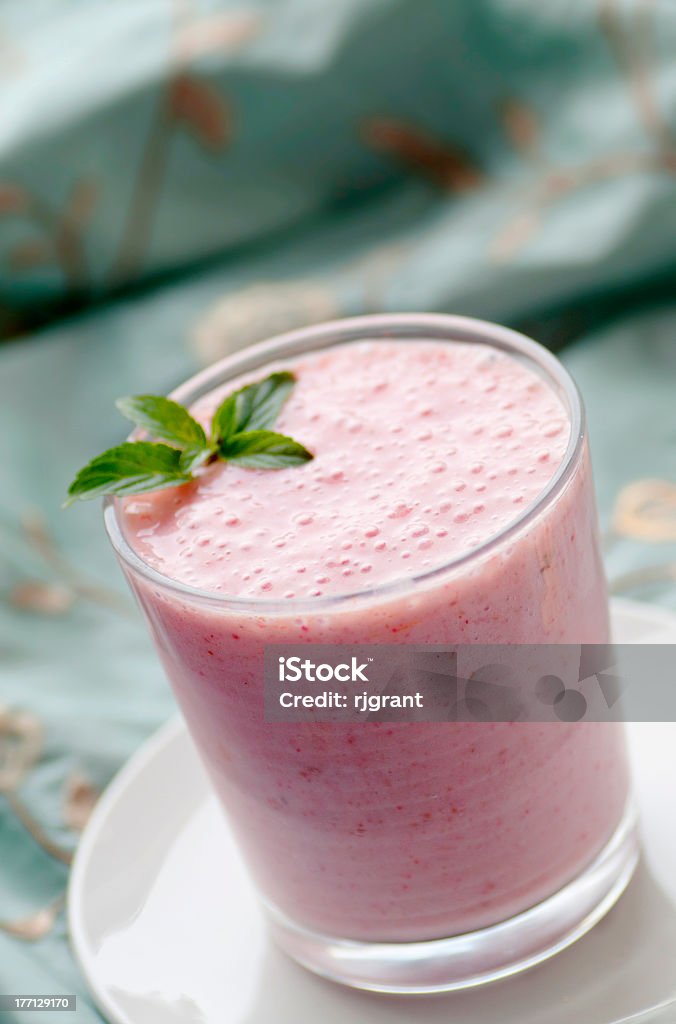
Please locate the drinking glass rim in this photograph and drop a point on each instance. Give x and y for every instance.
(370, 327)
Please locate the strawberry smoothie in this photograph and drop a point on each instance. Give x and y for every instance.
(408, 526)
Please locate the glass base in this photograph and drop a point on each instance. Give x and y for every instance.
(475, 958)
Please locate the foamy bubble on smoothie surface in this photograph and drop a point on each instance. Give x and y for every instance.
(423, 450)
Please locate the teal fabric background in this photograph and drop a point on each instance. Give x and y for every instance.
(507, 155)
(179, 179)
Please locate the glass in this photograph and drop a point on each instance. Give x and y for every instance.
(661, 1014)
(413, 857)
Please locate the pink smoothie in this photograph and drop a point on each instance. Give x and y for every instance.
(423, 451)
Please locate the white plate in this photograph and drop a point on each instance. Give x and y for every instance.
(166, 928)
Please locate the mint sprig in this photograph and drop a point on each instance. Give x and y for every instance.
(240, 432)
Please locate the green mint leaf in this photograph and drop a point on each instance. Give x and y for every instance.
(239, 432)
(131, 468)
(252, 408)
(193, 458)
(164, 419)
(264, 449)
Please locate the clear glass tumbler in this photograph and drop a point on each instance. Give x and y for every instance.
(412, 857)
